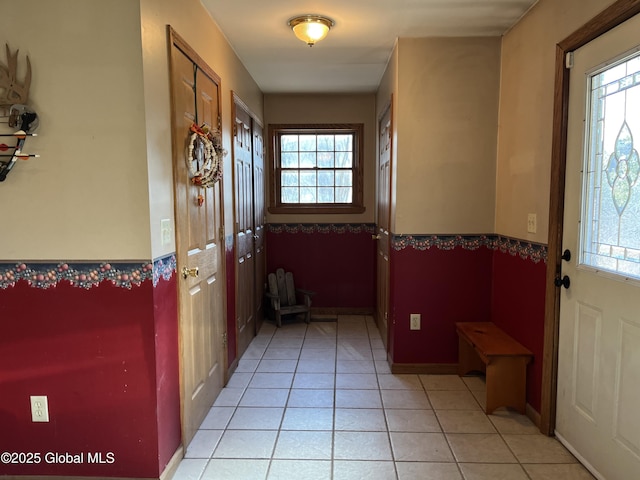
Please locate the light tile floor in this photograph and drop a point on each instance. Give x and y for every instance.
(319, 402)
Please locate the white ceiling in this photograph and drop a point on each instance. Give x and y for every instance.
(354, 55)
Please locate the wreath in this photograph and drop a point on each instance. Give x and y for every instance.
(204, 156)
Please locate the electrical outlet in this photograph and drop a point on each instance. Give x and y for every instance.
(532, 223)
(39, 408)
(414, 319)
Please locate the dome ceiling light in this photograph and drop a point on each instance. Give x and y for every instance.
(310, 28)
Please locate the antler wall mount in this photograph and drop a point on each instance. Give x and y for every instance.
(14, 95)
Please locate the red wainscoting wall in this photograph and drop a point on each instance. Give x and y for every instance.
(445, 286)
(449, 279)
(105, 353)
(518, 303)
(336, 261)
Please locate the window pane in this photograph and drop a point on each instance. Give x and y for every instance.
(326, 159)
(610, 237)
(344, 160)
(290, 195)
(343, 195)
(325, 195)
(343, 179)
(289, 143)
(289, 160)
(308, 160)
(307, 143)
(326, 179)
(290, 179)
(308, 178)
(307, 195)
(344, 143)
(325, 143)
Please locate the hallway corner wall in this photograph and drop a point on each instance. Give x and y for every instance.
(99, 341)
(465, 278)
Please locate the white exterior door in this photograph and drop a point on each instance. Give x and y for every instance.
(598, 414)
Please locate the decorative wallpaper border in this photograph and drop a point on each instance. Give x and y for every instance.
(339, 228)
(87, 275)
(164, 268)
(535, 252)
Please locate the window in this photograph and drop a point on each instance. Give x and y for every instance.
(610, 238)
(316, 168)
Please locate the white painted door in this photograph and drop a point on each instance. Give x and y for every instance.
(598, 403)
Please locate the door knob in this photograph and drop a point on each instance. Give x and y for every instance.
(190, 272)
(562, 282)
(566, 255)
(256, 237)
(375, 237)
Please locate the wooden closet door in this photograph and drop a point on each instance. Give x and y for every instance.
(245, 230)
(199, 246)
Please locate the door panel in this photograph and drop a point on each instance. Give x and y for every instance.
(382, 224)
(199, 245)
(599, 335)
(245, 260)
(259, 216)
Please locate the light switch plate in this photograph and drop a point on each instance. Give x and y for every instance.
(532, 223)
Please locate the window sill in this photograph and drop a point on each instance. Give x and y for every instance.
(313, 209)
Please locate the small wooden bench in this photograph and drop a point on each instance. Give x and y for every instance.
(485, 347)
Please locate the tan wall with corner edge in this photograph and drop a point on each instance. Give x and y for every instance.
(447, 107)
(104, 180)
(86, 197)
(526, 112)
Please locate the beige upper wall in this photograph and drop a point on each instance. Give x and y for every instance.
(101, 89)
(280, 109)
(192, 22)
(447, 111)
(86, 197)
(526, 112)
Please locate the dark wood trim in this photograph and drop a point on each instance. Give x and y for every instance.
(608, 19)
(341, 311)
(617, 13)
(533, 415)
(357, 205)
(310, 209)
(424, 368)
(231, 370)
(177, 41)
(235, 99)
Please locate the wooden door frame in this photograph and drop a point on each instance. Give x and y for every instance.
(388, 108)
(236, 100)
(611, 17)
(176, 41)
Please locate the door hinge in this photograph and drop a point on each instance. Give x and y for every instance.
(221, 232)
(224, 339)
(568, 60)
(235, 129)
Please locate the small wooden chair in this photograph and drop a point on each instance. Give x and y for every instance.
(283, 295)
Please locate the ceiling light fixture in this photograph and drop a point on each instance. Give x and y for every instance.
(310, 28)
